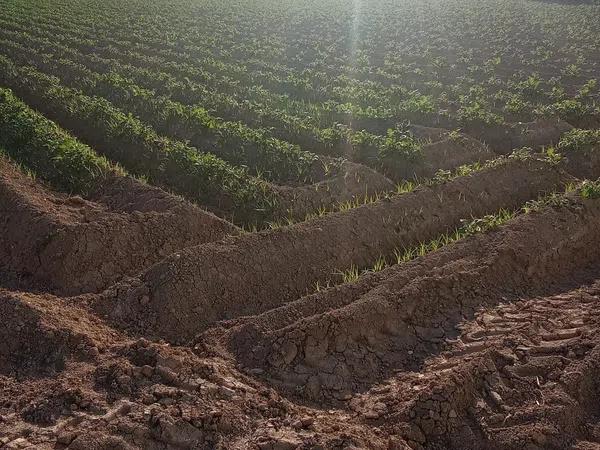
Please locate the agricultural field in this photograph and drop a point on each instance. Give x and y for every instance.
(279, 225)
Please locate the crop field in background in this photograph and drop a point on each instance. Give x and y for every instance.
(334, 224)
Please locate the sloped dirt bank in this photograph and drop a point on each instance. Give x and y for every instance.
(97, 388)
(69, 245)
(519, 375)
(353, 181)
(584, 164)
(253, 273)
(536, 135)
(489, 343)
(416, 306)
(440, 150)
(448, 153)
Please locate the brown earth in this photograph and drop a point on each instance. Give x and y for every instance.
(351, 182)
(450, 153)
(488, 343)
(536, 135)
(520, 375)
(357, 181)
(442, 151)
(67, 380)
(340, 348)
(253, 273)
(69, 245)
(515, 365)
(584, 164)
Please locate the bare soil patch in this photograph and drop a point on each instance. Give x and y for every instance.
(416, 306)
(70, 245)
(253, 273)
(536, 135)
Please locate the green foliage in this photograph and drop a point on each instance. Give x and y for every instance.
(570, 110)
(590, 189)
(287, 80)
(408, 254)
(589, 88)
(394, 150)
(48, 151)
(417, 103)
(235, 142)
(571, 70)
(399, 145)
(455, 136)
(444, 176)
(478, 114)
(200, 177)
(578, 140)
(349, 275)
(531, 86)
(490, 222)
(553, 156)
(469, 228)
(551, 200)
(486, 223)
(515, 104)
(406, 186)
(189, 54)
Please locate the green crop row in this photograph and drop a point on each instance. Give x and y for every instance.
(231, 141)
(578, 140)
(425, 80)
(243, 138)
(47, 150)
(202, 178)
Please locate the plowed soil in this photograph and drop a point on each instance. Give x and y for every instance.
(536, 135)
(71, 245)
(249, 274)
(134, 320)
